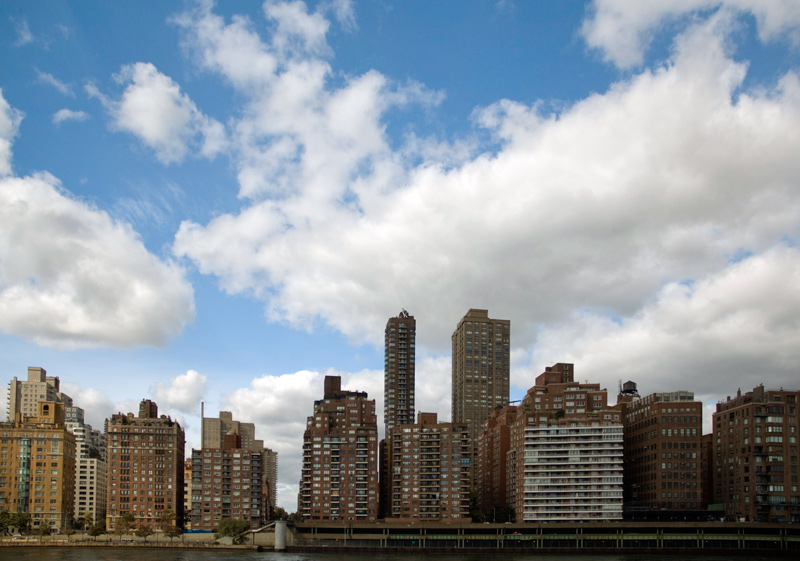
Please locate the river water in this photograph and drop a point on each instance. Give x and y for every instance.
(125, 554)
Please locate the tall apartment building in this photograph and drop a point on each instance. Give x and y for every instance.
(228, 482)
(430, 470)
(493, 445)
(37, 467)
(663, 453)
(91, 474)
(480, 370)
(399, 366)
(214, 432)
(25, 395)
(567, 446)
(145, 466)
(755, 456)
(340, 446)
(187, 492)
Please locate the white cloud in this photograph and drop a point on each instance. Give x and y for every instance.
(72, 277)
(69, 115)
(10, 118)
(663, 177)
(734, 328)
(51, 80)
(183, 393)
(623, 30)
(24, 35)
(97, 406)
(154, 109)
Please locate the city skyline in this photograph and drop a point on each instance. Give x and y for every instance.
(224, 203)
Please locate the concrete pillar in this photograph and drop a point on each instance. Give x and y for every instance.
(280, 535)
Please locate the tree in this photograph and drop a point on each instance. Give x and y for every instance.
(21, 521)
(124, 523)
(173, 532)
(5, 521)
(234, 528)
(167, 524)
(144, 530)
(96, 530)
(280, 514)
(68, 532)
(44, 529)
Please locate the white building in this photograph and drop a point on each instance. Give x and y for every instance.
(90, 469)
(573, 472)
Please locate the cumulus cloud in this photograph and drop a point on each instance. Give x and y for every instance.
(97, 406)
(10, 118)
(70, 276)
(183, 393)
(154, 109)
(69, 115)
(662, 178)
(623, 30)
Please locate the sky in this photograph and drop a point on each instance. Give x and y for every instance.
(225, 203)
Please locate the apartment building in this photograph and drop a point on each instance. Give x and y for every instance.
(91, 474)
(567, 451)
(493, 446)
(399, 369)
(480, 370)
(340, 446)
(25, 395)
(145, 466)
(755, 467)
(430, 470)
(228, 482)
(37, 467)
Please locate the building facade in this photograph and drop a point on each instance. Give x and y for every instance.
(340, 447)
(430, 470)
(214, 432)
(399, 368)
(25, 395)
(91, 474)
(37, 467)
(480, 370)
(493, 445)
(228, 482)
(663, 466)
(567, 446)
(145, 466)
(755, 456)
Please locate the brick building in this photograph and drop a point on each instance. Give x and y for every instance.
(566, 451)
(493, 446)
(145, 466)
(663, 466)
(755, 463)
(430, 470)
(340, 446)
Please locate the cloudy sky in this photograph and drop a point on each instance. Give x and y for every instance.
(225, 203)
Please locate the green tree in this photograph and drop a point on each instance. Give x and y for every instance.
(44, 529)
(280, 514)
(166, 522)
(144, 530)
(173, 532)
(68, 532)
(21, 521)
(5, 521)
(234, 528)
(124, 523)
(96, 530)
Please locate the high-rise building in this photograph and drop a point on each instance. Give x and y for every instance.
(340, 447)
(228, 482)
(493, 445)
(214, 432)
(663, 464)
(145, 466)
(91, 474)
(187, 492)
(567, 446)
(398, 379)
(480, 370)
(37, 470)
(25, 395)
(430, 479)
(755, 456)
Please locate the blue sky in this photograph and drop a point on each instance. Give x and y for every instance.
(224, 203)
